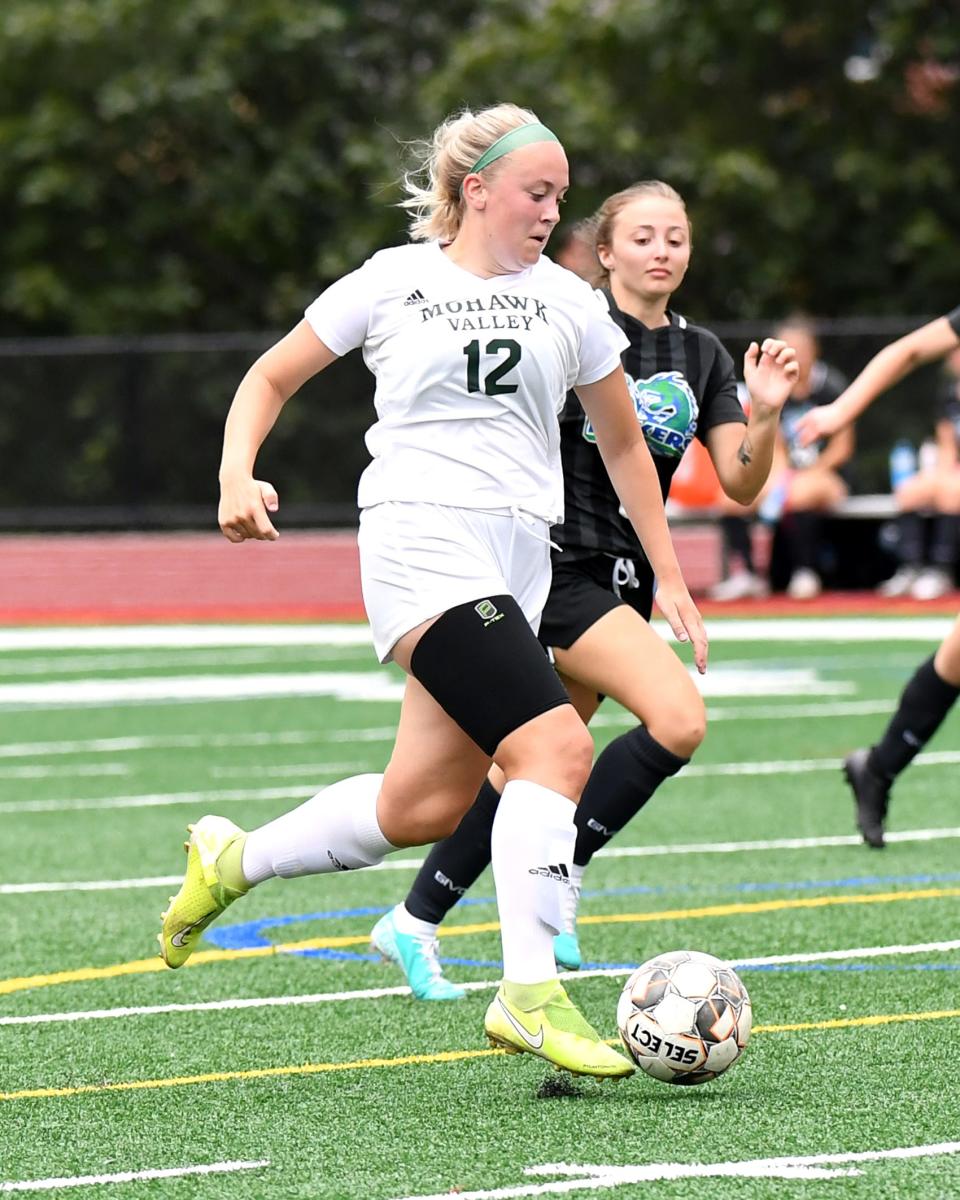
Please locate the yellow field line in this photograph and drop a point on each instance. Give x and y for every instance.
(201, 957)
(407, 1060)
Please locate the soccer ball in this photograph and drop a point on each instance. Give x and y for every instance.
(684, 1017)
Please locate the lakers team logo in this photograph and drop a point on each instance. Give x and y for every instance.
(667, 411)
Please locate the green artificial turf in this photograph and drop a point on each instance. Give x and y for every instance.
(316, 1088)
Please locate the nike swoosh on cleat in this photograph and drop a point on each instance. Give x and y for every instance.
(534, 1042)
(179, 938)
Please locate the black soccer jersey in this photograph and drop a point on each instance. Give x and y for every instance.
(954, 319)
(949, 405)
(826, 384)
(682, 382)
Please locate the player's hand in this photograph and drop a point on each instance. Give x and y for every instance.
(770, 371)
(244, 505)
(674, 602)
(819, 423)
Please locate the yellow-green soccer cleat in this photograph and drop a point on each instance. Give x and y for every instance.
(203, 894)
(554, 1030)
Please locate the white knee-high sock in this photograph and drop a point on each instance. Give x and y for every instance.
(336, 830)
(532, 848)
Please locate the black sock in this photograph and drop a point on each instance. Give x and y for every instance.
(924, 702)
(910, 548)
(455, 864)
(803, 533)
(943, 542)
(736, 536)
(623, 779)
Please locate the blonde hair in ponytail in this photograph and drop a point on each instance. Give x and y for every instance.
(433, 186)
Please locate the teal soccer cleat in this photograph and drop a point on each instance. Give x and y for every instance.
(416, 956)
(566, 952)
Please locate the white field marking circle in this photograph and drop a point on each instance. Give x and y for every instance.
(595, 1177)
(476, 986)
(71, 1181)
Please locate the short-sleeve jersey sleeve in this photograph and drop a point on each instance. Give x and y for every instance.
(721, 403)
(954, 319)
(603, 342)
(340, 316)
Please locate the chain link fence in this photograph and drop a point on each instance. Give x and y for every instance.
(125, 432)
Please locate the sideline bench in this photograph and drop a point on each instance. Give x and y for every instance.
(854, 557)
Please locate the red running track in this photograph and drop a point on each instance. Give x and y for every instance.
(113, 578)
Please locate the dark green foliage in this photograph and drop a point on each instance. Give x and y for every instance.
(211, 165)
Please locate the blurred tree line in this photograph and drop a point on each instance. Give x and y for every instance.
(211, 166)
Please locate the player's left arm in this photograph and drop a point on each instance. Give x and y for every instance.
(625, 455)
(743, 456)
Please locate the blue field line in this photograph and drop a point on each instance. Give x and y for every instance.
(256, 934)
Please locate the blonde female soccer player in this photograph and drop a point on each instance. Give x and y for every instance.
(474, 338)
(596, 620)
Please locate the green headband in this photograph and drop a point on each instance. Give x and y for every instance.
(523, 135)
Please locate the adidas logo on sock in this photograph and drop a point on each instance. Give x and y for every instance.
(557, 872)
(416, 297)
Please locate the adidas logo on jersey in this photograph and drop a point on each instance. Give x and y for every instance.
(416, 297)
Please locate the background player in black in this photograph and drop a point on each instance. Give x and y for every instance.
(805, 481)
(926, 568)
(595, 621)
(935, 685)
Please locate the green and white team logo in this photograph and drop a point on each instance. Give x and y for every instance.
(667, 411)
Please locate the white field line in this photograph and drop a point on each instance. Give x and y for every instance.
(163, 660)
(413, 864)
(590, 1177)
(179, 637)
(102, 1014)
(386, 733)
(89, 885)
(768, 712)
(71, 1181)
(164, 799)
(204, 741)
(369, 686)
(936, 758)
(59, 771)
(804, 843)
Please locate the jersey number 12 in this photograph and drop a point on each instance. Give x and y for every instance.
(491, 383)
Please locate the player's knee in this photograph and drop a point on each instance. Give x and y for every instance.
(554, 749)
(681, 725)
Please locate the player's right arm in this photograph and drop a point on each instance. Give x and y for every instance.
(263, 391)
(886, 368)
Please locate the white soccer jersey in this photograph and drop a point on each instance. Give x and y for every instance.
(470, 374)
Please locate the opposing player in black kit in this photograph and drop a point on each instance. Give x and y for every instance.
(595, 622)
(935, 685)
